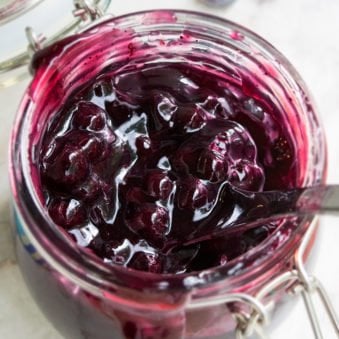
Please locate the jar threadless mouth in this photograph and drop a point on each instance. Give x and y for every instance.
(199, 46)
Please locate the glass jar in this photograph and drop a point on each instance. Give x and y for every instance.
(85, 298)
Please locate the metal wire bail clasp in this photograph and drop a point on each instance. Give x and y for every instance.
(252, 323)
(249, 325)
(310, 287)
(300, 282)
(35, 40)
(86, 9)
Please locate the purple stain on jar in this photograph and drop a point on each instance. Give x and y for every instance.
(235, 35)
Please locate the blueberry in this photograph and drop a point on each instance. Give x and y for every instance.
(211, 166)
(67, 213)
(246, 175)
(68, 168)
(90, 145)
(100, 215)
(185, 159)
(94, 149)
(192, 193)
(144, 145)
(89, 116)
(217, 107)
(158, 184)
(148, 220)
(90, 189)
(119, 252)
(220, 144)
(165, 106)
(242, 146)
(233, 143)
(147, 262)
(189, 118)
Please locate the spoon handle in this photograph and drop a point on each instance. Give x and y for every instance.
(318, 199)
(256, 208)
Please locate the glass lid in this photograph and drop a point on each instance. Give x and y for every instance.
(26, 25)
(10, 9)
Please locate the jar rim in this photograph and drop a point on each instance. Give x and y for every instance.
(90, 272)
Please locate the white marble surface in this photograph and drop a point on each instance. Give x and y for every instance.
(306, 31)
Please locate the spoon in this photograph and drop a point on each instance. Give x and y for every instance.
(251, 209)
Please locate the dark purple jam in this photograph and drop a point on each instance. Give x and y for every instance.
(136, 162)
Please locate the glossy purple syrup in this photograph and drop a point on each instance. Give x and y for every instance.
(135, 162)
